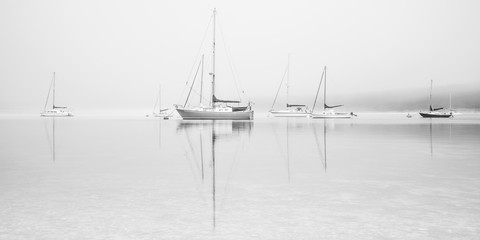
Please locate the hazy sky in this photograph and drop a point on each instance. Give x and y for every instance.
(114, 54)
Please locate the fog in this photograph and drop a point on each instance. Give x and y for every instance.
(112, 55)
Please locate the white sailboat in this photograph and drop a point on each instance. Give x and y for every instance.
(292, 110)
(218, 109)
(161, 112)
(328, 111)
(434, 113)
(55, 111)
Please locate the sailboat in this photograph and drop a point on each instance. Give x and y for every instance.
(328, 111)
(56, 111)
(218, 109)
(161, 112)
(434, 113)
(292, 110)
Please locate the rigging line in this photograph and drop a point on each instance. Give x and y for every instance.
(53, 103)
(193, 83)
(196, 57)
(318, 90)
(156, 102)
(230, 63)
(48, 95)
(279, 87)
(197, 93)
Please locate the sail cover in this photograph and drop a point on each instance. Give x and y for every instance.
(239, 109)
(215, 100)
(295, 105)
(435, 109)
(326, 106)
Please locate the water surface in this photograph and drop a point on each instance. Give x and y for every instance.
(378, 176)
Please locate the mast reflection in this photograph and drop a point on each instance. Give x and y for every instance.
(312, 139)
(210, 135)
(323, 154)
(51, 143)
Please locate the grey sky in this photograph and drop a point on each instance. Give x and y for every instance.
(113, 54)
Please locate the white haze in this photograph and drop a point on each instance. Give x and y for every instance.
(112, 55)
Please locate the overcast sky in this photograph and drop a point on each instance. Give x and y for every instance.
(114, 54)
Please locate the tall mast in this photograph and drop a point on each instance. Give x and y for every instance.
(431, 86)
(48, 95)
(213, 70)
(325, 89)
(53, 102)
(288, 75)
(318, 90)
(450, 100)
(201, 82)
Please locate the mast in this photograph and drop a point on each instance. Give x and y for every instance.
(201, 82)
(318, 90)
(325, 89)
(450, 101)
(431, 87)
(48, 95)
(53, 102)
(213, 70)
(159, 98)
(288, 75)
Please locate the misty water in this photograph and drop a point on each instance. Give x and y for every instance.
(377, 176)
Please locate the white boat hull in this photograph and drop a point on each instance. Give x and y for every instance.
(289, 114)
(330, 115)
(192, 114)
(56, 113)
(158, 115)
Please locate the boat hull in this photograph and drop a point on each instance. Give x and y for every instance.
(56, 115)
(188, 114)
(435, 114)
(288, 114)
(330, 115)
(162, 115)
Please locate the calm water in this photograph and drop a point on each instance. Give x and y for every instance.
(372, 177)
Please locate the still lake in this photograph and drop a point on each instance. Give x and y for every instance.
(377, 176)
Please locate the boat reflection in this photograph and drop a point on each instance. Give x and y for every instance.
(51, 143)
(319, 148)
(203, 140)
(439, 132)
(292, 146)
